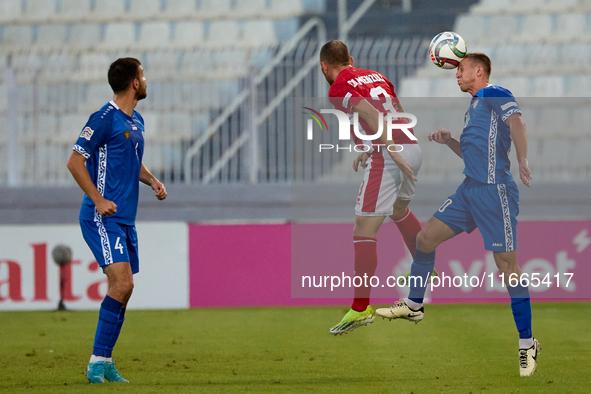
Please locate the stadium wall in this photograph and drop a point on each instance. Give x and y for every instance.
(198, 265)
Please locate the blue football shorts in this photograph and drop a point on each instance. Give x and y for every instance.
(111, 242)
(491, 208)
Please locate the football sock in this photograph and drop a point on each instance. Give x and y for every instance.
(422, 266)
(521, 307)
(94, 359)
(118, 329)
(106, 327)
(526, 343)
(366, 261)
(409, 226)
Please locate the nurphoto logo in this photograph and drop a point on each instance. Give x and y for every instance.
(346, 121)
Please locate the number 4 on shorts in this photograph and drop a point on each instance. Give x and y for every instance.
(118, 245)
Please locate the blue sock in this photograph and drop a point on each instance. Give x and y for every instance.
(521, 307)
(422, 266)
(118, 329)
(106, 327)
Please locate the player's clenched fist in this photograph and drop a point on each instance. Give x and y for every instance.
(441, 136)
(160, 190)
(106, 207)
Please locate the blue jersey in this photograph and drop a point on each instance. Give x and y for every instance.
(486, 138)
(113, 144)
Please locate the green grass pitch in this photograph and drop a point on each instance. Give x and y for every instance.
(455, 349)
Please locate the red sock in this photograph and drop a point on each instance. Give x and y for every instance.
(409, 227)
(366, 261)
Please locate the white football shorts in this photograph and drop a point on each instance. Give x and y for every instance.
(384, 182)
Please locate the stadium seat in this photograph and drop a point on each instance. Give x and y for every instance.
(93, 67)
(188, 35)
(570, 27)
(84, 36)
(526, 6)
(154, 35)
(536, 29)
(283, 9)
(10, 10)
(250, 9)
(491, 7)
(26, 67)
(179, 9)
(222, 34)
(549, 86)
(415, 87)
(108, 11)
(70, 127)
(575, 58)
(577, 86)
(560, 6)
(119, 36)
(50, 37)
(16, 38)
(142, 10)
(473, 26)
(39, 11)
(73, 10)
(59, 67)
(505, 28)
(258, 34)
(97, 95)
(214, 9)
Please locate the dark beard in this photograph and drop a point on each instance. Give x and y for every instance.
(140, 95)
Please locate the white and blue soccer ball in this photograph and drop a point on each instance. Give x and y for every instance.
(447, 49)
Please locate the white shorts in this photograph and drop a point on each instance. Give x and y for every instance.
(383, 182)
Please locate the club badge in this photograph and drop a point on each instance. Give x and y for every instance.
(127, 135)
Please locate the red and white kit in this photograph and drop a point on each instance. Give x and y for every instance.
(383, 182)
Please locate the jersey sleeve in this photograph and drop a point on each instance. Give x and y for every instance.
(92, 136)
(343, 96)
(502, 102)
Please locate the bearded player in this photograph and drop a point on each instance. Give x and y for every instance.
(488, 198)
(107, 165)
(389, 181)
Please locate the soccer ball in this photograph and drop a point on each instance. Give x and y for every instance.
(447, 49)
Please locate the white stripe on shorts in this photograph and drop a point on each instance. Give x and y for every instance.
(502, 189)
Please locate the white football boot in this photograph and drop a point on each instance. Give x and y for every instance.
(528, 359)
(401, 311)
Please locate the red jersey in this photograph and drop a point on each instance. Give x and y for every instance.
(354, 84)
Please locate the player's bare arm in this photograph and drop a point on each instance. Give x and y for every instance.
(77, 167)
(360, 161)
(443, 136)
(149, 179)
(519, 136)
(370, 114)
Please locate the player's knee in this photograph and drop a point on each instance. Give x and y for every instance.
(124, 286)
(425, 243)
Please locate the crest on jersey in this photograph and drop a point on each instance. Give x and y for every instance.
(127, 135)
(87, 133)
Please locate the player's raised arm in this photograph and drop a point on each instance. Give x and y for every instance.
(371, 115)
(77, 167)
(519, 136)
(149, 179)
(443, 136)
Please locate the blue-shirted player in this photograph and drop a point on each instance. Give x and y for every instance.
(488, 199)
(107, 165)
